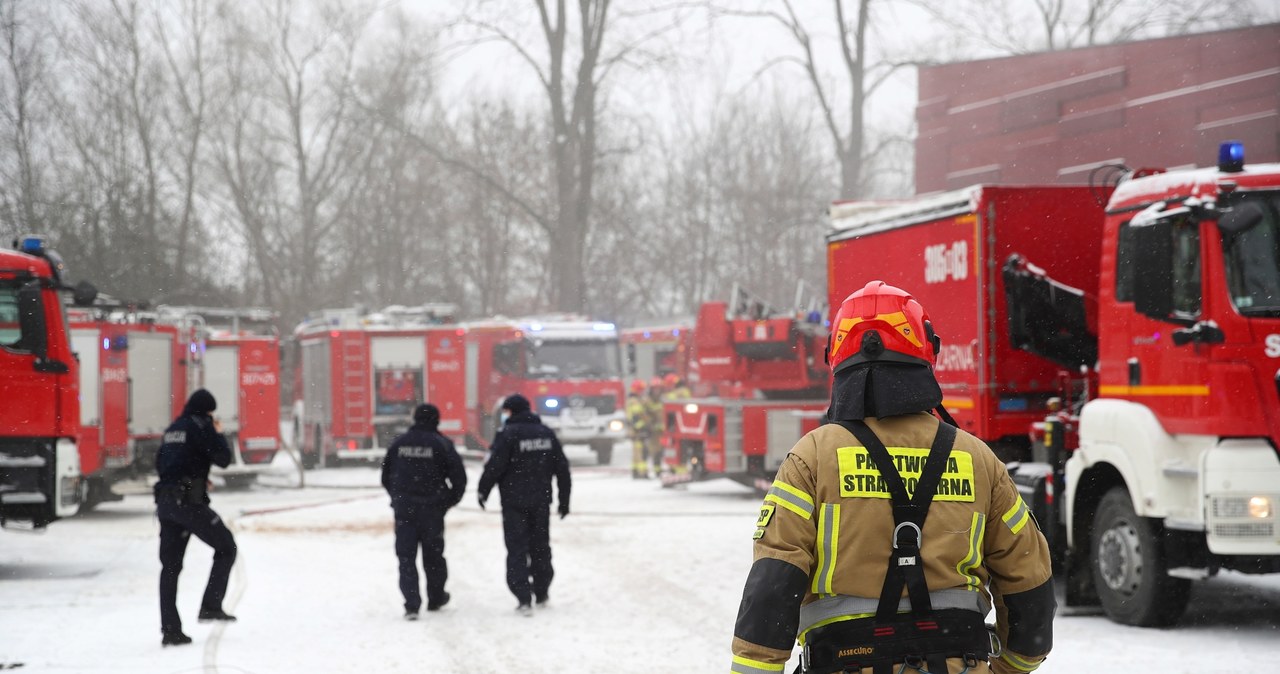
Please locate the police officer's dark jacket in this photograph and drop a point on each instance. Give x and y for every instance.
(190, 446)
(423, 467)
(524, 456)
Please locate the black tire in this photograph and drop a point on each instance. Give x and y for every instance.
(603, 450)
(1130, 573)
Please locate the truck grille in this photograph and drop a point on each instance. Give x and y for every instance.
(1244, 530)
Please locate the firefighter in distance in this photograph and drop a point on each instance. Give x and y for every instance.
(640, 427)
(655, 419)
(191, 444)
(888, 533)
(424, 476)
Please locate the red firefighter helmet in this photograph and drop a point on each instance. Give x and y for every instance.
(881, 323)
(656, 382)
(671, 380)
(637, 386)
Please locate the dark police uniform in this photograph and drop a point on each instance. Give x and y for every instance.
(191, 444)
(525, 455)
(424, 476)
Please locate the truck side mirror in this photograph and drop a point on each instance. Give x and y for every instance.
(31, 321)
(1153, 269)
(631, 359)
(84, 294)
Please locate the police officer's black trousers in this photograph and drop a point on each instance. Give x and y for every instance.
(528, 535)
(421, 526)
(177, 523)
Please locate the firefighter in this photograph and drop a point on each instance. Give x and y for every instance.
(641, 429)
(657, 422)
(192, 443)
(866, 580)
(424, 476)
(676, 388)
(524, 457)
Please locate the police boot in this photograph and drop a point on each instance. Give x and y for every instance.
(207, 614)
(175, 638)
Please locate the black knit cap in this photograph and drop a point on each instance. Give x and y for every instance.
(426, 414)
(200, 402)
(516, 403)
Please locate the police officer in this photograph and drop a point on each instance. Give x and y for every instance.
(523, 458)
(641, 429)
(424, 476)
(191, 444)
(883, 532)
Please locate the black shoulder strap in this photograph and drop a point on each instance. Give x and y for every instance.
(909, 513)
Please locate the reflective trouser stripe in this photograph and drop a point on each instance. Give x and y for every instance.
(828, 545)
(1017, 516)
(743, 665)
(790, 498)
(845, 606)
(1019, 663)
(972, 560)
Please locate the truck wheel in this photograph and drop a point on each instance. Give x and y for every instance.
(1129, 569)
(603, 450)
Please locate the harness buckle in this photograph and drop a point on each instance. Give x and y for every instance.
(898, 528)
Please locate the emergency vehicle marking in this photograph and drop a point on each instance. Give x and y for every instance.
(766, 515)
(955, 357)
(1273, 346)
(1189, 390)
(859, 477)
(415, 452)
(535, 445)
(944, 262)
(258, 379)
(115, 375)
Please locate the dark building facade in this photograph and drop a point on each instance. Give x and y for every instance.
(1055, 116)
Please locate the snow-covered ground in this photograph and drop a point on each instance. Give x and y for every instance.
(647, 580)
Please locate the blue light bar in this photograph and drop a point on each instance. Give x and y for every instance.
(1231, 157)
(33, 245)
(106, 343)
(675, 333)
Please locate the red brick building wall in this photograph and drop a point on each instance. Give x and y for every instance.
(1052, 117)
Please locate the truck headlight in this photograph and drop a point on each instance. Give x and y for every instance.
(615, 425)
(1260, 507)
(691, 408)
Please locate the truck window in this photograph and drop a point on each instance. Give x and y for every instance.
(1186, 267)
(10, 326)
(1124, 265)
(1251, 251)
(578, 358)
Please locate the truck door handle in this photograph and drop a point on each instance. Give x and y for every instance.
(1135, 372)
(1207, 332)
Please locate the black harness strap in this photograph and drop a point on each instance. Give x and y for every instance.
(906, 568)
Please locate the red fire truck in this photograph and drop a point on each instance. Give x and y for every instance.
(359, 376)
(568, 367)
(135, 375)
(655, 351)
(39, 460)
(1154, 316)
(760, 383)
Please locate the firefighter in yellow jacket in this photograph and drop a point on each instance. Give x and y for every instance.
(887, 534)
(641, 428)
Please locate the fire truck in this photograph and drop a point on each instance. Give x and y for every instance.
(1151, 315)
(760, 382)
(655, 351)
(135, 374)
(39, 459)
(359, 376)
(239, 355)
(567, 366)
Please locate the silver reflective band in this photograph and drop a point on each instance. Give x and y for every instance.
(845, 605)
(794, 500)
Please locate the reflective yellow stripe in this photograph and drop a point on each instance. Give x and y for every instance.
(1019, 663)
(803, 635)
(1017, 516)
(790, 498)
(972, 560)
(828, 545)
(1186, 390)
(743, 665)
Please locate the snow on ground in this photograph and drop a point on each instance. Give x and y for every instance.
(647, 580)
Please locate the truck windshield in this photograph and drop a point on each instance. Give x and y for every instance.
(1251, 246)
(579, 358)
(10, 326)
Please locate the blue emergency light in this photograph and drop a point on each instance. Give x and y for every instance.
(32, 245)
(1231, 157)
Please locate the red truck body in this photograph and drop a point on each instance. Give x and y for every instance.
(242, 371)
(948, 250)
(40, 413)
